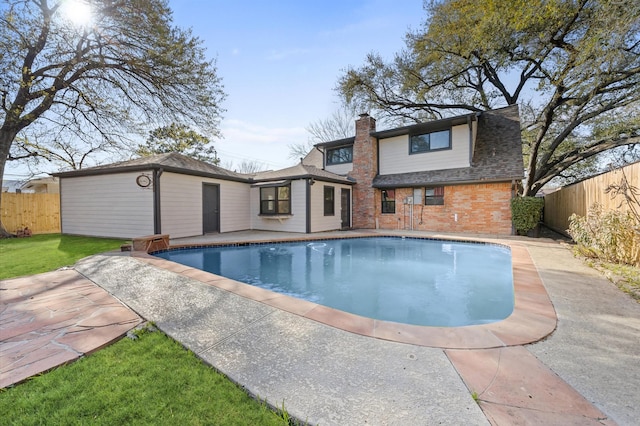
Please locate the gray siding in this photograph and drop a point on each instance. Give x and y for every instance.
(181, 205)
(395, 158)
(320, 222)
(340, 169)
(296, 222)
(106, 206)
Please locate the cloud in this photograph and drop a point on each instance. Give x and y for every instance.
(235, 51)
(269, 145)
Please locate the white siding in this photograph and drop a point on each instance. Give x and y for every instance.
(106, 206)
(395, 158)
(181, 204)
(340, 169)
(294, 223)
(320, 222)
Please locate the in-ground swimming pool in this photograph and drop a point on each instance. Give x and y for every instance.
(406, 280)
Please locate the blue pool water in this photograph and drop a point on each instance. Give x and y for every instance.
(406, 280)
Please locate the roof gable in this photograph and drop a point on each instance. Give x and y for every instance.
(301, 171)
(497, 156)
(170, 162)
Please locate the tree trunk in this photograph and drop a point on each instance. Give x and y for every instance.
(6, 139)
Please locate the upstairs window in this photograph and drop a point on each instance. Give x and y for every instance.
(275, 200)
(388, 201)
(434, 196)
(426, 142)
(341, 155)
(329, 201)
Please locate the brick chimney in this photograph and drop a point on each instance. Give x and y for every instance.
(365, 168)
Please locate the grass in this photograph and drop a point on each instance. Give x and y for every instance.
(625, 277)
(42, 253)
(151, 380)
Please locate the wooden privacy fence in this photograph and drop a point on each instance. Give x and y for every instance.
(39, 212)
(579, 197)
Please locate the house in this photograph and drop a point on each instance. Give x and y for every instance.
(180, 196)
(456, 174)
(47, 185)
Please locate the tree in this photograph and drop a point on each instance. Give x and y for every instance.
(340, 125)
(179, 138)
(245, 166)
(572, 66)
(102, 79)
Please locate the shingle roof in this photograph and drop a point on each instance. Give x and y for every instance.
(497, 156)
(299, 171)
(171, 162)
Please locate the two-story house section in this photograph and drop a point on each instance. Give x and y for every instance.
(456, 174)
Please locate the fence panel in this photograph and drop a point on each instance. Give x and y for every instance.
(579, 197)
(39, 212)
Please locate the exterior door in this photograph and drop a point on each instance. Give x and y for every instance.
(210, 208)
(345, 208)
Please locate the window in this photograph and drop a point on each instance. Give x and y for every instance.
(340, 155)
(388, 201)
(430, 142)
(434, 196)
(329, 201)
(275, 200)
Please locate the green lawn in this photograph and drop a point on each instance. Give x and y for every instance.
(42, 253)
(151, 380)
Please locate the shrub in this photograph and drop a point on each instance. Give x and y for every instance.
(526, 213)
(612, 236)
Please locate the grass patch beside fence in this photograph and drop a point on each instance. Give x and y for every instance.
(151, 380)
(43, 253)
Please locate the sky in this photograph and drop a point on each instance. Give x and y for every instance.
(280, 61)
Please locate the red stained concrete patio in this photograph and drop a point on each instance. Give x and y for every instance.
(51, 319)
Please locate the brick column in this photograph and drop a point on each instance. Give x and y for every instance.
(365, 168)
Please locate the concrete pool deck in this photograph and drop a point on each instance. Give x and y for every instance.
(586, 372)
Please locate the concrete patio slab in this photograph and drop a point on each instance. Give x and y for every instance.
(322, 374)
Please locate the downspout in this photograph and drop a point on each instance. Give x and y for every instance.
(157, 220)
(61, 207)
(470, 124)
(514, 194)
(308, 205)
(321, 152)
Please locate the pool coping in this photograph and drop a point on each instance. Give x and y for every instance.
(533, 317)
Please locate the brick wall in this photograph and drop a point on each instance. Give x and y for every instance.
(365, 162)
(480, 208)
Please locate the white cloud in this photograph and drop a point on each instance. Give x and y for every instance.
(269, 145)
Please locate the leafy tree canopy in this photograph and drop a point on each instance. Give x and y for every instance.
(179, 138)
(573, 66)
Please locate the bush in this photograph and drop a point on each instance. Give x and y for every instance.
(612, 236)
(526, 213)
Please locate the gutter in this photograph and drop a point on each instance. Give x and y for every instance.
(157, 219)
